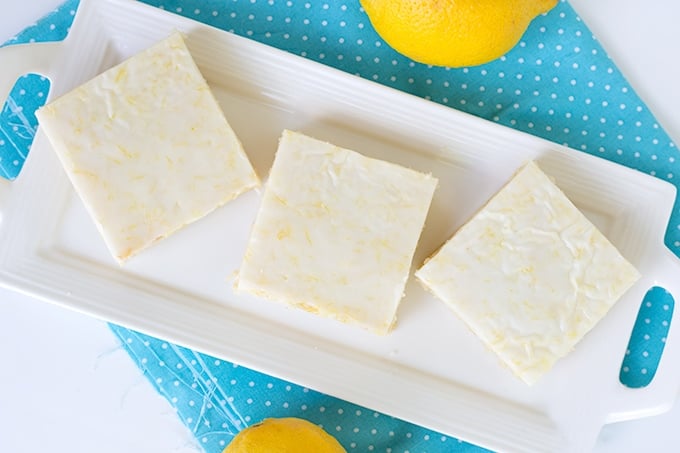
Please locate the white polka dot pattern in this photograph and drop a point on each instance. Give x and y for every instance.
(648, 339)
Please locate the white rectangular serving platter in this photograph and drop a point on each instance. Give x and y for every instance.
(430, 370)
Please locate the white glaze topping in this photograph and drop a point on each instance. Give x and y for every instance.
(336, 232)
(147, 147)
(529, 274)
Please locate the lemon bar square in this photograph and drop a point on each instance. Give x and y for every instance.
(147, 147)
(529, 274)
(336, 232)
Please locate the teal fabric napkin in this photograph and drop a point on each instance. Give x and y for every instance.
(558, 83)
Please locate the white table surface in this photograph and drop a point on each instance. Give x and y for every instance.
(66, 385)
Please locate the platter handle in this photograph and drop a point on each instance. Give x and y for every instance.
(662, 392)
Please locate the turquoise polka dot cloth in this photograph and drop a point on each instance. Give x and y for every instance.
(558, 83)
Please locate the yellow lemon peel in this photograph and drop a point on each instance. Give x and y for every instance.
(453, 33)
(284, 435)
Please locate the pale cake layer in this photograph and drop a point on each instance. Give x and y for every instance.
(147, 147)
(336, 232)
(529, 274)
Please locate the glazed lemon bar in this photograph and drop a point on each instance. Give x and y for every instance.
(529, 274)
(336, 232)
(147, 147)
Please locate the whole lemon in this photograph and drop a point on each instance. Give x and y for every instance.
(453, 32)
(284, 435)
